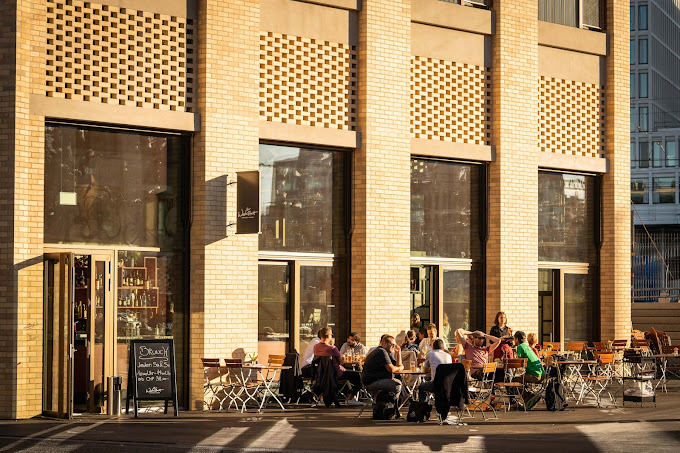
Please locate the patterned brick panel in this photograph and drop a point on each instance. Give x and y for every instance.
(450, 101)
(571, 117)
(307, 81)
(120, 56)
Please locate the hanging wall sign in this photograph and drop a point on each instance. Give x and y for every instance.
(248, 202)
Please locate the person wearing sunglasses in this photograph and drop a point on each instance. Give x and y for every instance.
(380, 365)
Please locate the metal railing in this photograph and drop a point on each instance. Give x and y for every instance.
(573, 13)
(656, 267)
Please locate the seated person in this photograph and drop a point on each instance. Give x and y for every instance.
(308, 356)
(434, 358)
(325, 349)
(532, 339)
(422, 334)
(410, 342)
(379, 367)
(475, 351)
(534, 371)
(426, 344)
(353, 345)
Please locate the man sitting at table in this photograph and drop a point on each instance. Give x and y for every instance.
(534, 371)
(353, 345)
(326, 349)
(434, 358)
(474, 349)
(379, 367)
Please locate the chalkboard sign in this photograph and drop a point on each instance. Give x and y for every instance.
(151, 373)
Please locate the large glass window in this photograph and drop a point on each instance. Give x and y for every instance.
(633, 120)
(633, 157)
(566, 215)
(632, 51)
(445, 209)
(639, 192)
(643, 119)
(632, 88)
(302, 209)
(632, 18)
(671, 153)
(664, 190)
(578, 308)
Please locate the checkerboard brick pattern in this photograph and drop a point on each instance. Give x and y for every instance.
(122, 56)
(307, 81)
(570, 117)
(450, 101)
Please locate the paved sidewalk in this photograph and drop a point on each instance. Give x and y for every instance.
(584, 428)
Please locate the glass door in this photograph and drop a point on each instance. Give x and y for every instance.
(58, 335)
(315, 298)
(273, 309)
(423, 295)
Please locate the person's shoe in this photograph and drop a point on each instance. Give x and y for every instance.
(354, 402)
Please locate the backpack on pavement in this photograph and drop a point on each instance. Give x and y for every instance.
(385, 406)
(418, 412)
(555, 398)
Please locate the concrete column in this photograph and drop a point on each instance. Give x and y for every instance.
(615, 269)
(224, 282)
(382, 206)
(512, 250)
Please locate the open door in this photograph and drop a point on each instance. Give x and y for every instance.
(58, 321)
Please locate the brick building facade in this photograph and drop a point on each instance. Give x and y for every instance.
(415, 156)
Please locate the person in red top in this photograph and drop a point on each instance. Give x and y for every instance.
(325, 348)
(474, 349)
(532, 339)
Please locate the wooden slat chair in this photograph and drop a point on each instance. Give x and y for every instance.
(213, 385)
(511, 389)
(552, 345)
(577, 348)
(480, 392)
(643, 346)
(599, 379)
(600, 346)
(619, 344)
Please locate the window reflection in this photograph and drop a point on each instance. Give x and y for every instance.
(639, 192)
(578, 307)
(318, 302)
(445, 209)
(664, 190)
(566, 214)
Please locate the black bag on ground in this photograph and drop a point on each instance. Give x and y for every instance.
(385, 406)
(418, 412)
(555, 398)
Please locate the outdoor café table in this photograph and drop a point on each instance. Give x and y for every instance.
(574, 378)
(411, 389)
(268, 374)
(663, 364)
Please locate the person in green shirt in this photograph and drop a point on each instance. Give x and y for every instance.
(534, 370)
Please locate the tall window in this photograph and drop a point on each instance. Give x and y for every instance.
(633, 120)
(644, 155)
(671, 153)
(642, 17)
(632, 85)
(302, 270)
(643, 90)
(632, 18)
(643, 119)
(657, 154)
(642, 53)
(639, 191)
(664, 190)
(633, 157)
(445, 225)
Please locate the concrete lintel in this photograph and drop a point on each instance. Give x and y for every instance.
(294, 133)
(180, 8)
(351, 5)
(450, 15)
(572, 38)
(124, 115)
(575, 163)
(451, 150)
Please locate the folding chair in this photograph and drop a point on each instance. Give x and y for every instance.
(552, 345)
(480, 394)
(599, 380)
(237, 387)
(576, 348)
(212, 386)
(642, 345)
(512, 382)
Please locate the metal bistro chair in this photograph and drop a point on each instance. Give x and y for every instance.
(480, 394)
(599, 380)
(238, 388)
(212, 386)
(512, 368)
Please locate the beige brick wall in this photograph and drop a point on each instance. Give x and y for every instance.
(381, 241)
(223, 265)
(8, 311)
(512, 253)
(615, 292)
